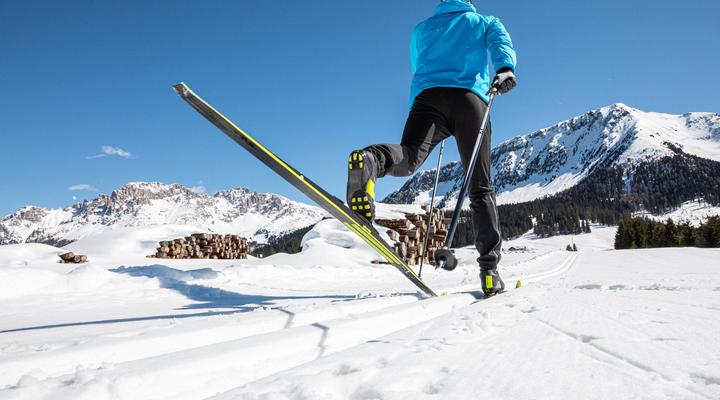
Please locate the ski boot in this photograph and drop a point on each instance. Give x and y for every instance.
(362, 174)
(491, 282)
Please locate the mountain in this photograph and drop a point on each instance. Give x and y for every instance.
(257, 216)
(557, 158)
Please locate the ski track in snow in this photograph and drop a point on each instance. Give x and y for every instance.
(594, 324)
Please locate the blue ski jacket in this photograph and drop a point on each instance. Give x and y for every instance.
(450, 49)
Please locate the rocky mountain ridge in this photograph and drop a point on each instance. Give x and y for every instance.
(257, 216)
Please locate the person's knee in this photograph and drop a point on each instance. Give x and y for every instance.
(478, 193)
(404, 169)
(411, 162)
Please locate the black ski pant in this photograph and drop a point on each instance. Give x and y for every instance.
(437, 114)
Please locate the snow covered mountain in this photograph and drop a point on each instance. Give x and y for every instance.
(258, 216)
(557, 158)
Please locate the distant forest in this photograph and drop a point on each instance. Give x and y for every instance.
(642, 233)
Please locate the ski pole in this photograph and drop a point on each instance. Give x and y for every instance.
(432, 203)
(444, 257)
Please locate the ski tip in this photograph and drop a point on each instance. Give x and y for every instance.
(181, 88)
(518, 284)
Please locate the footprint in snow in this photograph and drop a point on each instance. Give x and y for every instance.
(365, 392)
(433, 388)
(436, 387)
(667, 339)
(345, 369)
(587, 338)
(660, 286)
(589, 286)
(706, 379)
(619, 287)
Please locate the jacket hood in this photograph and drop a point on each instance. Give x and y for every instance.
(453, 6)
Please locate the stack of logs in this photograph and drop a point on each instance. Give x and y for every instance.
(409, 235)
(204, 245)
(72, 258)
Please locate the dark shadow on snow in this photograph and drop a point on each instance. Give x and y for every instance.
(207, 296)
(121, 320)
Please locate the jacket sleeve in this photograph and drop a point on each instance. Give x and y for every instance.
(414, 50)
(500, 45)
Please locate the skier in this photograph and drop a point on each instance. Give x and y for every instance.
(449, 96)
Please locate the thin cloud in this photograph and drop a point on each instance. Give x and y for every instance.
(82, 187)
(199, 189)
(108, 151)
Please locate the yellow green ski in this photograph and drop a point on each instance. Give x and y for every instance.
(329, 203)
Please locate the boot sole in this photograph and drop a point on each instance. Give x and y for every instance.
(361, 188)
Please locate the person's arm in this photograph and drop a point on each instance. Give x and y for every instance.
(502, 55)
(500, 46)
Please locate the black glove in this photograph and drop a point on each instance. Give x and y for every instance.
(504, 80)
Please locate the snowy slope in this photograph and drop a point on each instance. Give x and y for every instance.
(556, 158)
(256, 216)
(693, 212)
(328, 324)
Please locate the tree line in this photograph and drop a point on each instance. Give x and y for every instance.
(643, 233)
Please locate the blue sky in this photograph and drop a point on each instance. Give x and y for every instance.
(86, 104)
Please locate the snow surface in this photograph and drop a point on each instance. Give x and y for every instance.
(693, 212)
(329, 324)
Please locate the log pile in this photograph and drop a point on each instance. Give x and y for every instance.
(204, 245)
(409, 235)
(72, 258)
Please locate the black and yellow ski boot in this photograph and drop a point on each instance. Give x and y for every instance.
(491, 282)
(362, 174)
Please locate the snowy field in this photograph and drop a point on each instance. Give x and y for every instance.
(329, 324)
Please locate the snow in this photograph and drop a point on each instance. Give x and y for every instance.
(329, 324)
(536, 190)
(694, 212)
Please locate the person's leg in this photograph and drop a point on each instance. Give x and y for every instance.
(426, 126)
(467, 117)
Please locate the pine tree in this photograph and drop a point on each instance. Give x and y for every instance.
(659, 235)
(708, 235)
(686, 235)
(670, 239)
